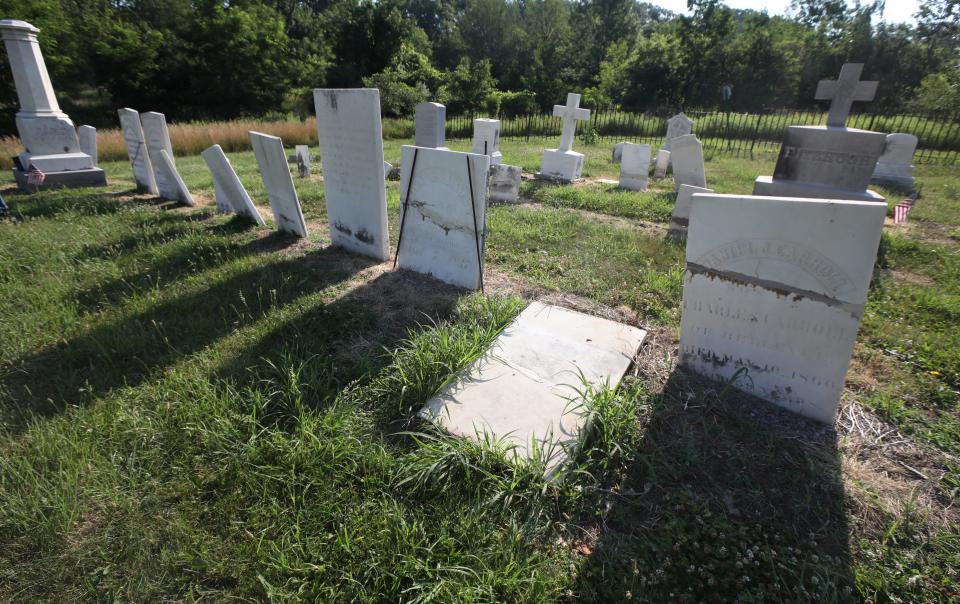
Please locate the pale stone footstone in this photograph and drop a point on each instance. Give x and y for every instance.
(228, 185)
(895, 166)
(48, 135)
(169, 184)
(303, 161)
(635, 167)
(430, 123)
(137, 151)
(687, 157)
(663, 162)
(776, 287)
(486, 139)
(279, 184)
(505, 183)
(87, 135)
(443, 234)
(524, 389)
(563, 163)
(351, 145)
(681, 211)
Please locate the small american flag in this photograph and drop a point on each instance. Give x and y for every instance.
(3, 207)
(35, 177)
(901, 210)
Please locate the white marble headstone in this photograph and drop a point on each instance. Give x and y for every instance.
(351, 147)
(776, 287)
(895, 166)
(279, 184)
(430, 125)
(663, 162)
(303, 161)
(229, 188)
(443, 234)
(634, 167)
(169, 184)
(681, 210)
(180, 191)
(137, 151)
(677, 126)
(486, 139)
(87, 136)
(686, 155)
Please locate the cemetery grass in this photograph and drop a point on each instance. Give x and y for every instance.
(194, 408)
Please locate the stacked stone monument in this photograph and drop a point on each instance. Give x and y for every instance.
(48, 135)
(563, 163)
(832, 161)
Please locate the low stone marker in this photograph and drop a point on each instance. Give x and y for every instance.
(774, 292)
(618, 152)
(681, 211)
(351, 146)
(443, 208)
(303, 161)
(687, 157)
(677, 126)
(895, 166)
(169, 184)
(430, 125)
(137, 151)
(634, 167)
(279, 184)
(486, 139)
(230, 190)
(87, 135)
(523, 389)
(505, 183)
(563, 163)
(663, 162)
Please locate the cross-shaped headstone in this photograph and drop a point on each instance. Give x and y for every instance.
(844, 91)
(571, 113)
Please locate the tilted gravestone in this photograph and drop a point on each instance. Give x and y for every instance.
(303, 161)
(279, 184)
(443, 209)
(563, 163)
(430, 123)
(681, 211)
(895, 166)
(687, 158)
(169, 184)
(137, 151)
(773, 294)
(228, 184)
(351, 147)
(634, 167)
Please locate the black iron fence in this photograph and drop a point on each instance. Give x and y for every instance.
(730, 132)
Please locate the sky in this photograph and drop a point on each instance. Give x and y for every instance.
(897, 11)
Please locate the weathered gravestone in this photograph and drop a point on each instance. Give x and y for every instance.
(663, 162)
(228, 184)
(279, 184)
(87, 135)
(48, 135)
(430, 125)
(137, 151)
(635, 167)
(677, 126)
(618, 152)
(443, 210)
(563, 163)
(832, 161)
(486, 139)
(169, 184)
(505, 183)
(895, 166)
(681, 211)
(774, 292)
(303, 161)
(687, 158)
(524, 389)
(351, 145)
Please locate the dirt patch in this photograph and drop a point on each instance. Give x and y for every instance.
(912, 278)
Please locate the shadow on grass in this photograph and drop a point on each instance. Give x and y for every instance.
(719, 505)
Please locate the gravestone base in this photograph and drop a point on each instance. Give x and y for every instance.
(60, 162)
(67, 179)
(901, 178)
(564, 166)
(767, 186)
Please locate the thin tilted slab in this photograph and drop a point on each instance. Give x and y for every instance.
(179, 188)
(351, 148)
(228, 185)
(158, 140)
(279, 184)
(525, 388)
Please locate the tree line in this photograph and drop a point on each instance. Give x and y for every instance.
(206, 59)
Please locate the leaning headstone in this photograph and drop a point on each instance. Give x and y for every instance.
(618, 152)
(524, 390)
(303, 161)
(279, 184)
(229, 187)
(387, 168)
(505, 183)
(774, 292)
(635, 167)
(48, 135)
(832, 161)
(443, 208)
(687, 157)
(677, 126)
(486, 139)
(351, 145)
(681, 211)
(563, 163)
(663, 162)
(87, 135)
(169, 184)
(895, 166)
(430, 123)
(137, 151)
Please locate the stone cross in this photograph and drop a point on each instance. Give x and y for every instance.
(844, 91)
(571, 113)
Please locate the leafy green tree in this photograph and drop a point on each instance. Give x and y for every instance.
(468, 87)
(409, 80)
